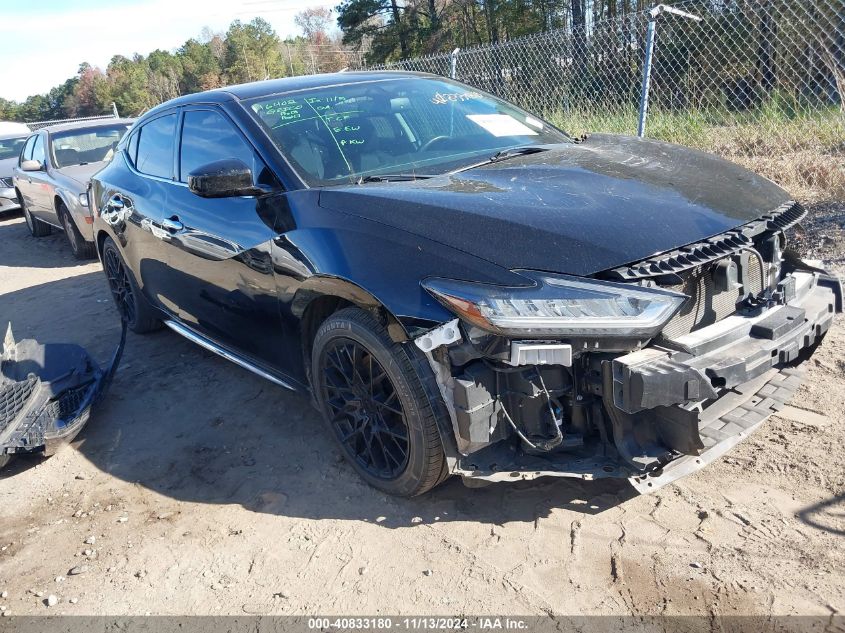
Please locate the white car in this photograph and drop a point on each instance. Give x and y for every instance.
(12, 138)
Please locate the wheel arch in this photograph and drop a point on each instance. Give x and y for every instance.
(321, 296)
(61, 197)
(58, 199)
(99, 240)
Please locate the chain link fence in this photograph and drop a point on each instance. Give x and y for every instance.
(758, 81)
(37, 125)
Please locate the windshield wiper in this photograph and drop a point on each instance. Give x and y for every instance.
(511, 152)
(392, 177)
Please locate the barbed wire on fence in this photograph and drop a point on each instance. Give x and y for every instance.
(759, 82)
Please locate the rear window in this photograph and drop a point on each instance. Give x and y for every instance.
(156, 143)
(132, 148)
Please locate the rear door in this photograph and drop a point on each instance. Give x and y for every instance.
(221, 278)
(142, 191)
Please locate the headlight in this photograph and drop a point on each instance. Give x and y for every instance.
(559, 305)
(83, 199)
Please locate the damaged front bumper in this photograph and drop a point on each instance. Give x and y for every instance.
(47, 392)
(660, 412)
(708, 390)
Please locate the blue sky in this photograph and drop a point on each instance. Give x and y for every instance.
(44, 41)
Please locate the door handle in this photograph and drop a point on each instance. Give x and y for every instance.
(172, 224)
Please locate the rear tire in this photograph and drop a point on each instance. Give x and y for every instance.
(372, 398)
(36, 227)
(81, 248)
(132, 305)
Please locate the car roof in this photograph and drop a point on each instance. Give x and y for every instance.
(81, 125)
(7, 136)
(289, 84)
(286, 84)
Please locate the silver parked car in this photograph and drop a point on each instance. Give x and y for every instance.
(11, 142)
(52, 174)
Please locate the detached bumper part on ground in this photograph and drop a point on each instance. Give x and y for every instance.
(47, 392)
(651, 416)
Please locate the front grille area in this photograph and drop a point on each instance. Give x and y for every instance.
(13, 397)
(707, 304)
(719, 273)
(715, 248)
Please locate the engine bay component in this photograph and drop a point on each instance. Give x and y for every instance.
(649, 411)
(443, 335)
(47, 392)
(524, 353)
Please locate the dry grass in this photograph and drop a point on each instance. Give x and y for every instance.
(803, 153)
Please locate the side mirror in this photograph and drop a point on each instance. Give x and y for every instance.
(226, 178)
(31, 165)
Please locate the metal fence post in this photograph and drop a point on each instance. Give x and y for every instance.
(649, 51)
(453, 63)
(653, 14)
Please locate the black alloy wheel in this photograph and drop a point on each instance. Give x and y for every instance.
(366, 413)
(376, 395)
(132, 305)
(120, 284)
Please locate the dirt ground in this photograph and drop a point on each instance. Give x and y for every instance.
(199, 488)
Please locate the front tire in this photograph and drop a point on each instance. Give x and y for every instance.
(372, 397)
(36, 227)
(81, 248)
(140, 316)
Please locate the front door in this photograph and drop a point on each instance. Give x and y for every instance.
(35, 189)
(221, 279)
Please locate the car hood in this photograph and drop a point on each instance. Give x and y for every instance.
(577, 208)
(6, 167)
(81, 174)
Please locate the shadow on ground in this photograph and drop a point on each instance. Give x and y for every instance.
(190, 426)
(51, 251)
(827, 515)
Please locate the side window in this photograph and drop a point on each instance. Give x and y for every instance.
(207, 136)
(132, 148)
(155, 147)
(26, 154)
(38, 152)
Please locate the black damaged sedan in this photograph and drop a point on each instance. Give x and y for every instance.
(462, 288)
